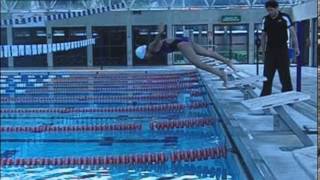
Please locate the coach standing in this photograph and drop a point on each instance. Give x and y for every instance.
(274, 45)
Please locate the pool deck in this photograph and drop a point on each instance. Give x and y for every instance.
(261, 134)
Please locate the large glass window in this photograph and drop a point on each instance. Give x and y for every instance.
(231, 41)
(110, 47)
(198, 34)
(3, 40)
(74, 57)
(145, 35)
(30, 36)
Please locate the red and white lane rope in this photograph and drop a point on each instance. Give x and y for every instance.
(98, 98)
(146, 158)
(151, 88)
(150, 108)
(114, 127)
(182, 123)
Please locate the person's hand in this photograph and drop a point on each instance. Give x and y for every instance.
(297, 51)
(161, 28)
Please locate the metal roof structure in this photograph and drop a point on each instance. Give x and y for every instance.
(74, 5)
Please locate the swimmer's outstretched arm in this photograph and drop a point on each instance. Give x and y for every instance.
(155, 44)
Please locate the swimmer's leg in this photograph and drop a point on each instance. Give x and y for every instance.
(188, 51)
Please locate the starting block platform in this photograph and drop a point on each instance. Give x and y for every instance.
(275, 100)
(246, 81)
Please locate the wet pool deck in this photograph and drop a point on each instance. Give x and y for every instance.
(258, 129)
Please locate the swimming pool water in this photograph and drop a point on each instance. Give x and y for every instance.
(88, 115)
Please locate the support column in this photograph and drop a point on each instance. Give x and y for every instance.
(315, 42)
(49, 41)
(170, 34)
(10, 42)
(251, 44)
(210, 37)
(312, 42)
(90, 47)
(299, 58)
(129, 45)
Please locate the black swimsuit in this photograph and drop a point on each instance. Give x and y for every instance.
(171, 47)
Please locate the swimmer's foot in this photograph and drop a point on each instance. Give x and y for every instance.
(224, 78)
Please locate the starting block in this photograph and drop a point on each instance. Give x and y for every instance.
(246, 81)
(275, 100)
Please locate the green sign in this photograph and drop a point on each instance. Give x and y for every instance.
(230, 19)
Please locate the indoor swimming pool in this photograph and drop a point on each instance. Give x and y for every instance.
(111, 125)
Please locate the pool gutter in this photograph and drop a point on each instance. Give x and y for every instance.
(250, 160)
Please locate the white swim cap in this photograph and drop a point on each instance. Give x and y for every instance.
(141, 51)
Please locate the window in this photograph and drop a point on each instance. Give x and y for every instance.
(198, 34)
(30, 36)
(3, 61)
(111, 46)
(145, 35)
(74, 57)
(231, 41)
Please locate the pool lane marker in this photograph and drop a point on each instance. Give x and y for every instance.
(183, 123)
(154, 125)
(176, 107)
(151, 87)
(32, 80)
(84, 99)
(4, 85)
(20, 91)
(105, 141)
(38, 84)
(191, 155)
(40, 129)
